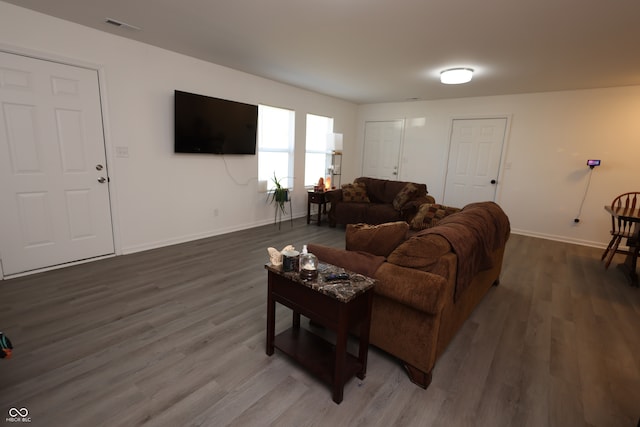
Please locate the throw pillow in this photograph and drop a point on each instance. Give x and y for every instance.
(376, 239)
(408, 193)
(355, 192)
(429, 214)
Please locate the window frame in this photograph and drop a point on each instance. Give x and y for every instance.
(286, 181)
(308, 180)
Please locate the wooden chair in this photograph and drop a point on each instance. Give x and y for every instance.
(620, 227)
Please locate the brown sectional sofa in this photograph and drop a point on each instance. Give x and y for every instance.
(429, 283)
(379, 208)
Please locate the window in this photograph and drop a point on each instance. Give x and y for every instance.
(275, 145)
(317, 159)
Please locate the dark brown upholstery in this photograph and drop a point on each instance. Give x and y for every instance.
(379, 239)
(379, 209)
(416, 312)
(358, 262)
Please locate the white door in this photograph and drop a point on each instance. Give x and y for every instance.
(53, 174)
(382, 142)
(474, 160)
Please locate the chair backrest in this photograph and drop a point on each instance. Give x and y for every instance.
(627, 201)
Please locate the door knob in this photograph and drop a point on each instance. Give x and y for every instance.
(99, 167)
(102, 180)
(493, 181)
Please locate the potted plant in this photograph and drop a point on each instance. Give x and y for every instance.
(279, 195)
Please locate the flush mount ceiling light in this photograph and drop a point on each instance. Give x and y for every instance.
(456, 76)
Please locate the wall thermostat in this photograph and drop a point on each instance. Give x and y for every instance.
(593, 163)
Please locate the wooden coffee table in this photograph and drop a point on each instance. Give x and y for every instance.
(339, 306)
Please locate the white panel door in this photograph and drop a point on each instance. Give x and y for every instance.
(474, 160)
(53, 173)
(382, 141)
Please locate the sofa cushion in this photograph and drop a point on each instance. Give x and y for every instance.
(408, 193)
(358, 262)
(356, 212)
(420, 251)
(429, 214)
(375, 189)
(379, 213)
(356, 192)
(384, 190)
(376, 239)
(418, 201)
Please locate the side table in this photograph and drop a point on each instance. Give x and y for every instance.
(318, 198)
(339, 306)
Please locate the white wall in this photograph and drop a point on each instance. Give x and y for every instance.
(161, 197)
(544, 172)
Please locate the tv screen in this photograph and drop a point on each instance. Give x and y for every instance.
(211, 125)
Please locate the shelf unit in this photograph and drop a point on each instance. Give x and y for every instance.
(335, 170)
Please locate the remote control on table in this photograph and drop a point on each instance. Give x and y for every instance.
(331, 277)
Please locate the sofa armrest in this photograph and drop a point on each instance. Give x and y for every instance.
(379, 239)
(333, 196)
(359, 262)
(420, 290)
(415, 204)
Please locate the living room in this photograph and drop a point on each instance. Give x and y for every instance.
(159, 198)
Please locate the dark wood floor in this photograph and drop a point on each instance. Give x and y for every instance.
(176, 337)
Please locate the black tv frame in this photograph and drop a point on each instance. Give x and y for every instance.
(208, 125)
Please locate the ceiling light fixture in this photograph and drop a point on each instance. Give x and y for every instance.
(456, 76)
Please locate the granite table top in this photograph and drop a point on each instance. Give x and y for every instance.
(342, 290)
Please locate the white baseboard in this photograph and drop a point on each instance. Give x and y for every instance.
(198, 236)
(559, 238)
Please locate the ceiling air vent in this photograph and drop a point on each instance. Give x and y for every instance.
(121, 24)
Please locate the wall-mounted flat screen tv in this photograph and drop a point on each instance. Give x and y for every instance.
(211, 125)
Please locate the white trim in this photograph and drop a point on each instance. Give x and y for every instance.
(36, 54)
(562, 239)
(503, 156)
(111, 161)
(57, 266)
(399, 161)
(198, 236)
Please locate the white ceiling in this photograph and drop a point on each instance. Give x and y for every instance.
(369, 51)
